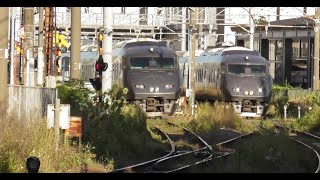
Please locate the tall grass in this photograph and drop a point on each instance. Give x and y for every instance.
(218, 116)
(20, 139)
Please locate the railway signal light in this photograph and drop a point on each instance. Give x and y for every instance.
(101, 66)
(96, 83)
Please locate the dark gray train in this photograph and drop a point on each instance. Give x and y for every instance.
(148, 68)
(235, 75)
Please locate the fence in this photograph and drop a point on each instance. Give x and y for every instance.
(30, 102)
(300, 94)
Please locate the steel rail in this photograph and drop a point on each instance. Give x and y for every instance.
(153, 160)
(308, 135)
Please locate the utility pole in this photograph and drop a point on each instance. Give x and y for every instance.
(12, 42)
(183, 30)
(4, 17)
(316, 50)
(107, 48)
(251, 20)
(278, 14)
(193, 22)
(40, 49)
(29, 30)
(304, 10)
(75, 42)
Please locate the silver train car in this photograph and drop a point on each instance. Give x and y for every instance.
(235, 75)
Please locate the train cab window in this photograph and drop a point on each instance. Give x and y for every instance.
(258, 69)
(166, 62)
(247, 69)
(236, 69)
(151, 62)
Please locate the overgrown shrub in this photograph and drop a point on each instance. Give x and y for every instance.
(79, 97)
(310, 121)
(116, 129)
(20, 140)
(278, 99)
(217, 116)
(120, 132)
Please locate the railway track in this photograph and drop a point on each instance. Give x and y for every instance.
(305, 139)
(177, 156)
(145, 166)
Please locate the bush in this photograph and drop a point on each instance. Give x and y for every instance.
(217, 116)
(20, 140)
(120, 132)
(310, 121)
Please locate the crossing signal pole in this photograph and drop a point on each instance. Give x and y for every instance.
(193, 19)
(100, 66)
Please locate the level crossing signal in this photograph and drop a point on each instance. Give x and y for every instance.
(101, 66)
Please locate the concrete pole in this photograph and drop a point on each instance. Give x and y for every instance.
(316, 50)
(251, 20)
(4, 17)
(183, 29)
(107, 48)
(56, 123)
(29, 30)
(75, 42)
(192, 56)
(40, 49)
(12, 42)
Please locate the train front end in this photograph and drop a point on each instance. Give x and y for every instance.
(248, 85)
(153, 81)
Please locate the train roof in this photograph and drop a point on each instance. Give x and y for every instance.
(247, 58)
(139, 42)
(228, 55)
(143, 47)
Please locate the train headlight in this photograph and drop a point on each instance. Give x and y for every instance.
(151, 89)
(140, 86)
(236, 89)
(260, 90)
(246, 92)
(168, 86)
(157, 89)
(251, 92)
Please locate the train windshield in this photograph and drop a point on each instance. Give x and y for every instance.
(244, 69)
(151, 62)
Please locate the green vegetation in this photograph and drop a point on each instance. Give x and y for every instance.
(117, 131)
(218, 116)
(308, 101)
(20, 140)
